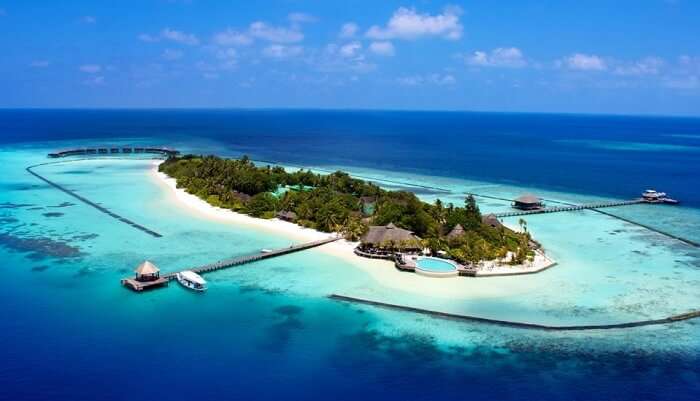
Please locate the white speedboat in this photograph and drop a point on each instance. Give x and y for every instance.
(191, 280)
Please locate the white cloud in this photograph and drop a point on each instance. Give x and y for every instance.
(227, 54)
(511, 57)
(90, 68)
(144, 37)
(406, 23)
(646, 66)
(430, 79)
(171, 54)
(39, 64)
(95, 80)
(350, 50)
(685, 83)
(179, 37)
(300, 18)
(89, 19)
(348, 30)
(230, 37)
(282, 51)
(382, 48)
(263, 31)
(335, 58)
(583, 62)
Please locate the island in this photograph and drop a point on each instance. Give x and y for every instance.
(433, 239)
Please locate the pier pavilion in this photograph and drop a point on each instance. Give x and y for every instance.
(528, 202)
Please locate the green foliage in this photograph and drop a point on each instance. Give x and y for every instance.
(262, 205)
(332, 203)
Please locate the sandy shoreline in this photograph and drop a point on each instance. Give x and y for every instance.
(381, 271)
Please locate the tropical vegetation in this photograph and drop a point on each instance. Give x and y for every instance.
(332, 203)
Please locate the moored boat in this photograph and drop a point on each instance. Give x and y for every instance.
(191, 280)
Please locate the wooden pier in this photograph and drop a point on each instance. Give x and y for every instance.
(237, 261)
(114, 150)
(89, 202)
(517, 324)
(570, 208)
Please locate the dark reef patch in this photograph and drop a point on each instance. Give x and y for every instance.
(84, 237)
(64, 204)
(39, 268)
(8, 220)
(52, 214)
(10, 205)
(289, 310)
(40, 248)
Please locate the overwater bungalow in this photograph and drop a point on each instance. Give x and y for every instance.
(528, 202)
(147, 275)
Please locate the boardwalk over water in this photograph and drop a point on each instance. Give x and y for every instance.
(87, 201)
(516, 324)
(240, 260)
(226, 263)
(570, 208)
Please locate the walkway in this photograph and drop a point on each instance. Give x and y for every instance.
(516, 324)
(87, 201)
(570, 208)
(240, 260)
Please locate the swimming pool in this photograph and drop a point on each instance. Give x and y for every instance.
(435, 266)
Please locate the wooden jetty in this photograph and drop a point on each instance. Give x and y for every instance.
(570, 208)
(112, 150)
(236, 261)
(517, 324)
(90, 203)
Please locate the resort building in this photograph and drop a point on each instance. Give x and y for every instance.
(147, 276)
(383, 241)
(147, 271)
(491, 220)
(287, 216)
(456, 232)
(528, 202)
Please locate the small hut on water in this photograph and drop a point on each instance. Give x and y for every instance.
(147, 271)
(147, 275)
(528, 202)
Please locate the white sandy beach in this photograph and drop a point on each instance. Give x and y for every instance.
(381, 271)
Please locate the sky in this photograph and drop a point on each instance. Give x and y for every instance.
(617, 57)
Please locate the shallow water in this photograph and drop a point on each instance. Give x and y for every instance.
(267, 330)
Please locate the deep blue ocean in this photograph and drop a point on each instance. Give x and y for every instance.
(70, 333)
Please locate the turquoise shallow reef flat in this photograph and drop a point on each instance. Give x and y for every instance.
(268, 330)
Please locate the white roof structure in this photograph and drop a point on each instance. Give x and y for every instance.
(193, 277)
(146, 268)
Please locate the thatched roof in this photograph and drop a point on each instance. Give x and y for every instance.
(241, 196)
(286, 215)
(456, 231)
(390, 234)
(491, 220)
(368, 199)
(146, 268)
(528, 199)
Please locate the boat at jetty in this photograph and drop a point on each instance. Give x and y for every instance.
(191, 280)
(653, 196)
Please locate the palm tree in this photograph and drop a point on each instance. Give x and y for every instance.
(523, 224)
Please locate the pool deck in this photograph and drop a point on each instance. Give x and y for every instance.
(541, 262)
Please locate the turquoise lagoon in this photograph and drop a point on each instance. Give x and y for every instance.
(267, 329)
